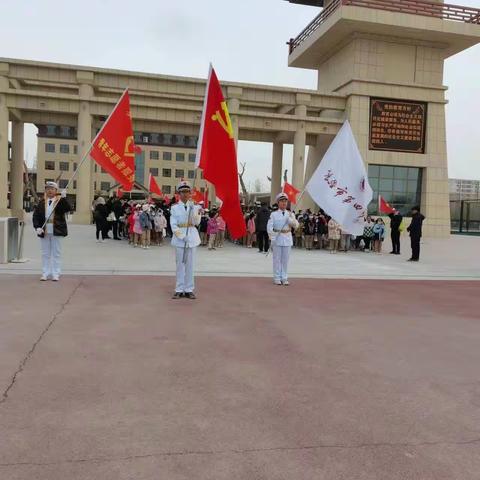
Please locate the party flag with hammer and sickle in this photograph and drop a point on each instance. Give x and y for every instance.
(217, 155)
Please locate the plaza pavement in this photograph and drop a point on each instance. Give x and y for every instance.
(102, 376)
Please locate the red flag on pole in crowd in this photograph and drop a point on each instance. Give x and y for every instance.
(119, 193)
(291, 192)
(197, 195)
(153, 186)
(114, 148)
(384, 207)
(217, 155)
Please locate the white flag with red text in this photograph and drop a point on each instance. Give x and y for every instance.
(340, 184)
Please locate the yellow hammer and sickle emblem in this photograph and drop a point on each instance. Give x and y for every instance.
(217, 117)
(128, 143)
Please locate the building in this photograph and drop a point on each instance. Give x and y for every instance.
(379, 64)
(461, 189)
(168, 157)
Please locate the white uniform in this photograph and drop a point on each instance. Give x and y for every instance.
(182, 217)
(279, 230)
(51, 245)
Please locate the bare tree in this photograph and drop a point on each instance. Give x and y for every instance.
(242, 182)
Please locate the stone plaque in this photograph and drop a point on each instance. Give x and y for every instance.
(397, 125)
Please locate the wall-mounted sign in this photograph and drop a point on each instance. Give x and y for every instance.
(397, 125)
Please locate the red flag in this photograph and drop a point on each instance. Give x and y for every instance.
(114, 148)
(153, 186)
(197, 195)
(217, 156)
(291, 192)
(384, 207)
(119, 193)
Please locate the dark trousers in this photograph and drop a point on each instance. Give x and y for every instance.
(102, 227)
(263, 241)
(115, 229)
(415, 241)
(395, 235)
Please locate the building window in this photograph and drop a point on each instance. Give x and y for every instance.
(50, 147)
(191, 174)
(166, 189)
(179, 173)
(75, 149)
(74, 166)
(49, 165)
(74, 184)
(105, 186)
(66, 132)
(180, 157)
(154, 172)
(96, 168)
(154, 155)
(167, 172)
(62, 183)
(167, 139)
(95, 185)
(401, 187)
(64, 148)
(191, 157)
(167, 155)
(51, 130)
(64, 166)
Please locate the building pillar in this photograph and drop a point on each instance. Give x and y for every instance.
(16, 170)
(277, 166)
(84, 176)
(4, 212)
(299, 141)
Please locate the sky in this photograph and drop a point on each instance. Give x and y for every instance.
(245, 40)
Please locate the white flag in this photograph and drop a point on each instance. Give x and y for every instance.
(340, 184)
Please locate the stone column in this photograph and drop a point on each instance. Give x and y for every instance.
(277, 165)
(16, 170)
(4, 212)
(84, 176)
(299, 140)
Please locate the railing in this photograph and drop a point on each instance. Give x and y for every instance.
(444, 11)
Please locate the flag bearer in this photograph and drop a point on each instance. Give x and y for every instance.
(279, 229)
(51, 227)
(184, 218)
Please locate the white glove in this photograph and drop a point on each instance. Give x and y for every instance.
(179, 234)
(63, 193)
(39, 231)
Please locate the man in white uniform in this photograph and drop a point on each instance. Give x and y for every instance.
(50, 225)
(184, 218)
(279, 230)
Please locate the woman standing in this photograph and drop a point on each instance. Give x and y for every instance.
(100, 215)
(378, 235)
(221, 231)
(250, 229)
(334, 230)
(309, 230)
(137, 226)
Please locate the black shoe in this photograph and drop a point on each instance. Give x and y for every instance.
(392, 253)
(190, 295)
(116, 238)
(177, 295)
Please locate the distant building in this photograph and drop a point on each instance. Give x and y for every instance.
(461, 189)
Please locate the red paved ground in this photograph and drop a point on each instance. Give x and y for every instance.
(325, 379)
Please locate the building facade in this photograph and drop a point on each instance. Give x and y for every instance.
(461, 189)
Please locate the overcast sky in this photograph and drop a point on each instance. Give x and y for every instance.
(244, 39)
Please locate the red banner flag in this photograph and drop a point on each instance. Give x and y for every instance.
(114, 148)
(197, 195)
(153, 186)
(291, 192)
(384, 207)
(119, 193)
(217, 156)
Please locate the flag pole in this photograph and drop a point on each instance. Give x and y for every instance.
(85, 156)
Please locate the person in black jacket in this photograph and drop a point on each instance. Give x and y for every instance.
(395, 222)
(100, 215)
(261, 221)
(50, 225)
(415, 230)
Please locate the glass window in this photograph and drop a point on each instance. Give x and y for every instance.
(191, 157)
(64, 166)
(167, 155)
(65, 132)
(74, 184)
(154, 172)
(191, 141)
(51, 130)
(74, 166)
(180, 140)
(167, 172)
(155, 138)
(191, 174)
(180, 157)
(64, 148)
(50, 147)
(62, 183)
(104, 185)
(373, 171)
(49, 165)
(386, 184)
(399, 185)
(137, 137)
(400, 173)
(166, 189)
(75, 149)
(145, 138)
(179, 173)
(154, 155)
(386, 172)
(167, 139)
(413, 173)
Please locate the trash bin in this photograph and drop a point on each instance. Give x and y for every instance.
(8, 239)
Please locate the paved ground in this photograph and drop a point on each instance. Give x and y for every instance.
(104, 377)
(453, 258)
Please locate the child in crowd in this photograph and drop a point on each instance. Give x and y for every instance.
(137, 226)
(378, 235)
(212, 230)
(250, 229)
(220, 239)
(334, 230)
